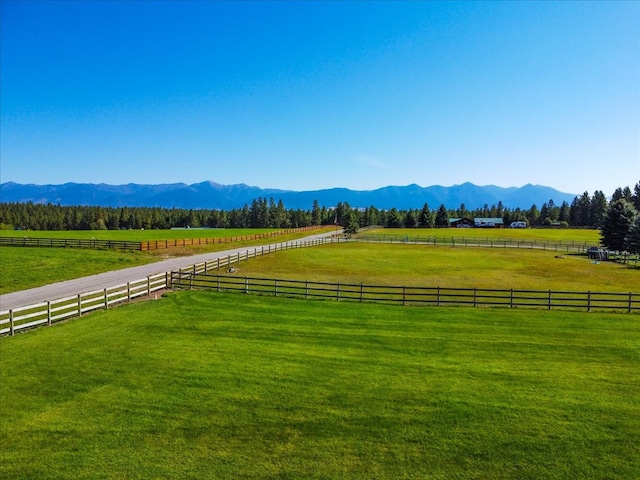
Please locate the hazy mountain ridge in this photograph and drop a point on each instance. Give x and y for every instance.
(211, 195)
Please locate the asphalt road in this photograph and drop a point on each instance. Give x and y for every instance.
(119, 277)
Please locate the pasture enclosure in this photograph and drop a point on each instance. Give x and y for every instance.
(365, 259)
(421, 265)
(551, 235)
(411, 295)
(201, 385)
(45, 313)
(171, 239)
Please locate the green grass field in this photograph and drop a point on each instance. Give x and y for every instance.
(369, 263)
(138, 235)
(23, 268)
(565, 235)
(423, 265)
(206, 385)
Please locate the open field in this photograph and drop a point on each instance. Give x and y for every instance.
(206, 385)
(564, 235)
(542, 234)
(423, 265)
(138, 235)
(370, 263)
(28, 267)
(23, 268)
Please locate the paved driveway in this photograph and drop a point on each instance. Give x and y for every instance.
(120, 277)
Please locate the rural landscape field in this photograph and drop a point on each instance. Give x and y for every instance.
(200, 384)
(319, 240)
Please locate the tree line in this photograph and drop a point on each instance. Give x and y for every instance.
(584, 211)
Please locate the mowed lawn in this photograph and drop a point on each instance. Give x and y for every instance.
(207, 385)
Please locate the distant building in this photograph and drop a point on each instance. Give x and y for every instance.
(488, 222)
(476, 222)
(461, 222)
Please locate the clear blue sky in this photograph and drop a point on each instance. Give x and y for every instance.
(318, 94)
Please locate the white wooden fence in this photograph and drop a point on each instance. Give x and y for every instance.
(46, 313)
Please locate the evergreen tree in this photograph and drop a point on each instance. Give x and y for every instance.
(394, 219)
(533, 215)
(564, 213)
(351, 223)
(616, 224)
(371, 216)
(442, 216)
(462, 211)
(635, 198)
(632, 239)
(316, 213)
(598, 209)
(426, 218)
(581, 211)
(411, 219)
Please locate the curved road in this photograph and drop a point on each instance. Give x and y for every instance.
(119, 277)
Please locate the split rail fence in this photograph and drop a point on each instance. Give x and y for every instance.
(200, 276)
(568, 247)
(426, 296)
(27, 241)
(49, 312)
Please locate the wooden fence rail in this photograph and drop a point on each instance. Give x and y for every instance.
(453, 241)
(68, 243)
(46, 313)
(434, 296)
(27, 241)
(200, 276)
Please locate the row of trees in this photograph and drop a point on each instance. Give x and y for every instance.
(585, 211)
(260, 214)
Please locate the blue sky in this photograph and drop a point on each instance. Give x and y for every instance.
(319, 94)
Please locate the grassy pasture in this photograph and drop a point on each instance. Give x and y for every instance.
(138, 235)
(370, 263)
(565, 235)
(432, 266)
(205, 385)
(23, 268)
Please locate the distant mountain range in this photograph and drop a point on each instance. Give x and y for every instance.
(211, 195)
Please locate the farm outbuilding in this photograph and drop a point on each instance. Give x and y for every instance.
(476, 222)
(461, 222)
